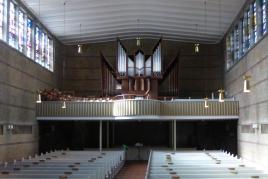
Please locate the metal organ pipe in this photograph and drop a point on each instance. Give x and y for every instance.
(122, 58)
(157, 59)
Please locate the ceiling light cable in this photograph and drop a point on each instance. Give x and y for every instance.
(196, 45)
(79, 46)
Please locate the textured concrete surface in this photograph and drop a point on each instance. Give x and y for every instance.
(253, 106)
(20, 78)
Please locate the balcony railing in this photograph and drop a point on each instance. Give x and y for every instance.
(137, 109)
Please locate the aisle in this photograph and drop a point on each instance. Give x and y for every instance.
(133, 170)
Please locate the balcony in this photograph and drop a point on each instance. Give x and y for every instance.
(138, 110)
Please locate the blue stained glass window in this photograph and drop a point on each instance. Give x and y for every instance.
(245, 36)
(43, 49)
(29, 39)
(21, 31)
(250, 27)
(264, 16)
(12, 25)
(1, 18)
(237, 43)
(50, 53)
(37, 45)
(254, 22)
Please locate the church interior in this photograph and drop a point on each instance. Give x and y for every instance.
(145, 89)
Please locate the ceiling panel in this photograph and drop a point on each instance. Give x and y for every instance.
(105, 20)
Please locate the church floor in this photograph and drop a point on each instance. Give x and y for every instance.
(133, 170)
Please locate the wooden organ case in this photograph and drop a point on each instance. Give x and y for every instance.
(139, 73)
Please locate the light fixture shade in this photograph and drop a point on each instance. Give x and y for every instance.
(246, 88)
(196, 48)
(138, 41)
(63, 105)
(206, 102)
(79, 49)
(39, 100)
(221, 95)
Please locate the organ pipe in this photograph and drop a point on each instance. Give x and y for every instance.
(109, 80)
(122, 60)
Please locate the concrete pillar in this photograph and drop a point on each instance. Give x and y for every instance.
(174, 135)
(171, 134)
(100, 136)
(113, 133)
(107, 135)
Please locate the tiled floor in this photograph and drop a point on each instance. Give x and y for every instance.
(133, 170)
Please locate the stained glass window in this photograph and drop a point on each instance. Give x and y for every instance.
(37, 45)
(246, 32)
(254, 22)
(249, 27)
(1, 18)
(228, 52)
(240, 33)
(22, 29)
(19, 30)
(43, 48)
(264, 16)
(236, 43)
(29, 39)
(50, 54)
(12, 25)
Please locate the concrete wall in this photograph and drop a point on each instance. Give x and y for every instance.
(20, 78)
(199, 73)
(252, 143)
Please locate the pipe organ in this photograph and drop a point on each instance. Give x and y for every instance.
(139, 73)
(109, 82)
(122, 60)
(169, 84)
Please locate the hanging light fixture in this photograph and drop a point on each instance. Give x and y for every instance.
(206, 102)
(196, 48)
(80, 46)
(138, 38)
(39, 99)
(138, 41)
(221, 95)
(246, 88)
(80, 49)
(63, 105)
(196, 45)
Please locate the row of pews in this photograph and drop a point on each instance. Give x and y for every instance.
(199, 165)
(66, 165)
